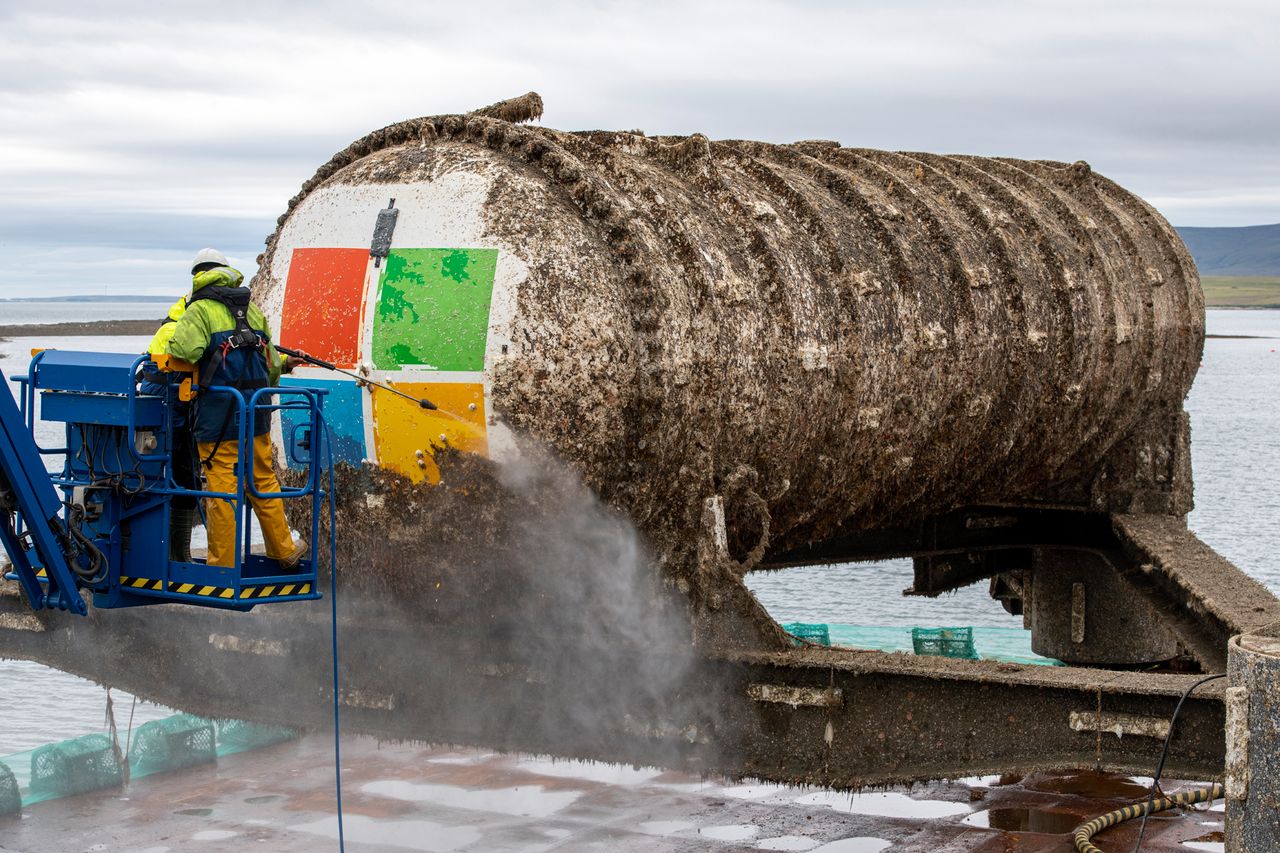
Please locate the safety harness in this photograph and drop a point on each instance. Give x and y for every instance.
(244, 336)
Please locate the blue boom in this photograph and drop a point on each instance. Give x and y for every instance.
(100, 521)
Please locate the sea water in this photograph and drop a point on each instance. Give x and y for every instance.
(43, 313)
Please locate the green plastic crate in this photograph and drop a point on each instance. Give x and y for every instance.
(10, 795)
(172, 744)
(944, 642)
(75, 766)
(804, 631)
(241, 735)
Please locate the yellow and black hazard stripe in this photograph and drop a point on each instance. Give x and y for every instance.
(220, 592)
(148, 584)
(203, 590)
(275, 589)
(1083, 835)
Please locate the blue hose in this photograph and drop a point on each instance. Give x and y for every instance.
(333, 613)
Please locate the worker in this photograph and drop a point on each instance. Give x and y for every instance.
(182, 509)
(225, 335)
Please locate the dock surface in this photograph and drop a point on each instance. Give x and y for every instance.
(401, 797)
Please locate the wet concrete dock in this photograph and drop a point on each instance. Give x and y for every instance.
(401, 797)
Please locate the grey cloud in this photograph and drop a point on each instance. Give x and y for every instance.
(184, 234)
(127, 114)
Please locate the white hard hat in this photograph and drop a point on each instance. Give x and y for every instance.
(208, 256)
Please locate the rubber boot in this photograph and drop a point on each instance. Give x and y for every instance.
(180, 523)
(290, 563)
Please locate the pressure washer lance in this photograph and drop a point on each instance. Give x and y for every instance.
(364, 380)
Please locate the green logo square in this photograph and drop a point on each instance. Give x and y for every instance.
(433, 309)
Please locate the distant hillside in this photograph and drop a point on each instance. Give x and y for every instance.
(137, 297)
(1241, 291)
(1253, 250)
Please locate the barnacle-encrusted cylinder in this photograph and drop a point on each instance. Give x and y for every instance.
(836, 335)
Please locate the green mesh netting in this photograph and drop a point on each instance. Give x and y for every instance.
(1004, 644)
(10, 795)
(241, 735)
(89, 763)
(75, 766)
(808, 632)
(944, 642)
(171, 744)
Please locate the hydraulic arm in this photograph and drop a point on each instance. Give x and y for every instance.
(31, 529)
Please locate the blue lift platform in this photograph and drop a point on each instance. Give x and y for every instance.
(93, 514)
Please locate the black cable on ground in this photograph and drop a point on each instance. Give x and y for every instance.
(1084, 834)
(1164, 754)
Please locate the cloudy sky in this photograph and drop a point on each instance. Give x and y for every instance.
(132, 134)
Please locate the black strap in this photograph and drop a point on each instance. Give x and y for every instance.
(237, 301)
(232, 297)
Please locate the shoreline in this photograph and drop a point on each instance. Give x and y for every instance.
(91, 328)
(1239, 337)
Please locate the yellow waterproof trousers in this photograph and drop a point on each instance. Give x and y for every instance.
(221, 514)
